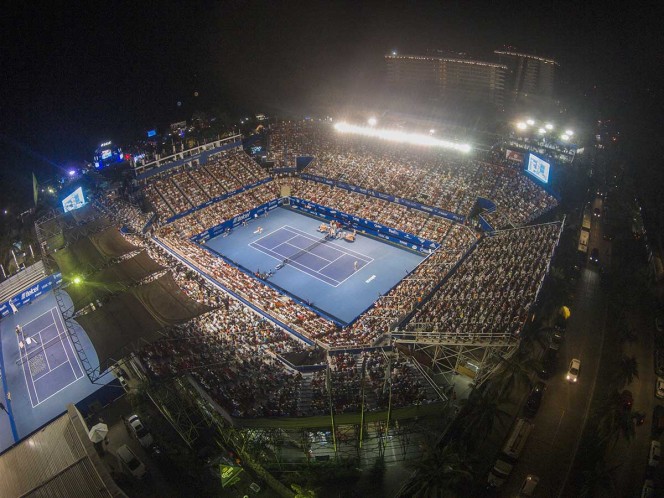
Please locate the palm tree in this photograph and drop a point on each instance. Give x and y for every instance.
(613, 421)
(599, 480)
(441, 472)
(627, 371)
(480, 411)
(513, 372)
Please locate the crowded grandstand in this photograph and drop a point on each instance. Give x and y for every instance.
(248, 352)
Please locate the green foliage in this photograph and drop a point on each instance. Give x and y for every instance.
(441, 472)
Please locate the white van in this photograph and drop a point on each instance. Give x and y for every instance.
(500, 472)
(130, 462)
(517, 438)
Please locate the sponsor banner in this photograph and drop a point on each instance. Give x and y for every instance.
(485, 225)
(31, 293)
(234, 222)
(512, 155)
(218, 199)
(366, 226)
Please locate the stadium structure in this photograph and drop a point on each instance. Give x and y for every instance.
(324, 307)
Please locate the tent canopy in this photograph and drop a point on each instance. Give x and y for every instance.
(113, 279)
(137, 316)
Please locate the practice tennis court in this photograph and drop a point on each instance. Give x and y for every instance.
(47, 356)
(319, 257)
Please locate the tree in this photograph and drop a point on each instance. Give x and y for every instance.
(627, 371)
(614, 421)
(480, 411)
(513, 372)
(441, 472)
(599, 480)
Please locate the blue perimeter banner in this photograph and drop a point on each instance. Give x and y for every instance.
(239, 219)
(404, 202)
(219, 198)
(31, 293)
(366, 226)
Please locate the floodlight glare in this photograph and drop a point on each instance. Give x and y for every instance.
(372, 121)
(569, 132)
(77, 280)
(530, 122)
(565, 137)
(541, 131)
(521, 125)
(548, 126)
(432, 131)
(72, 172)
(400, 136)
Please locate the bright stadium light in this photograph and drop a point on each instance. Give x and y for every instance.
(569, 132)
(565, 137)
(521, 125)
(432, 131)
(77, 280)
(548, 126)
(400, 136)
(541, 131)
(372, 121)
(530, 122)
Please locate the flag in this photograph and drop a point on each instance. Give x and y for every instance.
(35, 188)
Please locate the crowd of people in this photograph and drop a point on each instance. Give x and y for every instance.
(431, 177)
(192, 187)
(489, 295)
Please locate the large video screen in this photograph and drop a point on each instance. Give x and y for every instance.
(538, 168)
(74, 200)
(106, 153)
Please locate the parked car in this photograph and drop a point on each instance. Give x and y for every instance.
(130, 462)
(573, 372)
(139, 431)
(655, 453)
(557, 336)
(548, 365)
(500, 472)
(535, 399)
(657, 420)
(659, 388)
(648, 489)
(529, 485)
(659, 362)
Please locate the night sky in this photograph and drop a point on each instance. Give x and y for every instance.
(74, 75)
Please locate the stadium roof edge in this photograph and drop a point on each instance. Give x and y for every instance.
(528, 56)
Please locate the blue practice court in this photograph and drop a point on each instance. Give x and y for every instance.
(41, 370)
(340, 278)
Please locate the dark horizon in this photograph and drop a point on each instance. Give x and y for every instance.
(78, 77)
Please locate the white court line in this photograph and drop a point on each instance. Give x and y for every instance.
(333, 261)
(56, 392)
(293, 265)
(359, 255)
(23, 363)
(275, 231)
(64, 332)
(51, 370)
(308, 252)
(355, 272)
(40, 331)
(28, 323)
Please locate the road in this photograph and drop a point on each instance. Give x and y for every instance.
(552, 446)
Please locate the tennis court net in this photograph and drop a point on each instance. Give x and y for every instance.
(299, 253)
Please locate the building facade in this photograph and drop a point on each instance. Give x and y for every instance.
(528, 77)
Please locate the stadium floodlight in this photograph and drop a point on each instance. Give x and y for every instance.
(372, 121)
(521, 125)
(530, 122)
(394, 52)
(569, 132)
(565, 137)
(72, 172)
(541, 131)
(548, 126)
(77, 280)
(432, 131)
(401, 136)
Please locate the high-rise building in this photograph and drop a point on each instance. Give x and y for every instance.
(529, 77)
(447, 78)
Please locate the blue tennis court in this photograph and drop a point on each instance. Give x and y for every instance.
(319, 257)
(339, 278)
(47, 356)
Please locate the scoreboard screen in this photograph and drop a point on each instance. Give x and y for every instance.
(538, 168)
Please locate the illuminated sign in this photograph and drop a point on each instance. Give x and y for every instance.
(105, 144)
(105, 154)
(74, 200)
(538, 168)
(152, 133)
